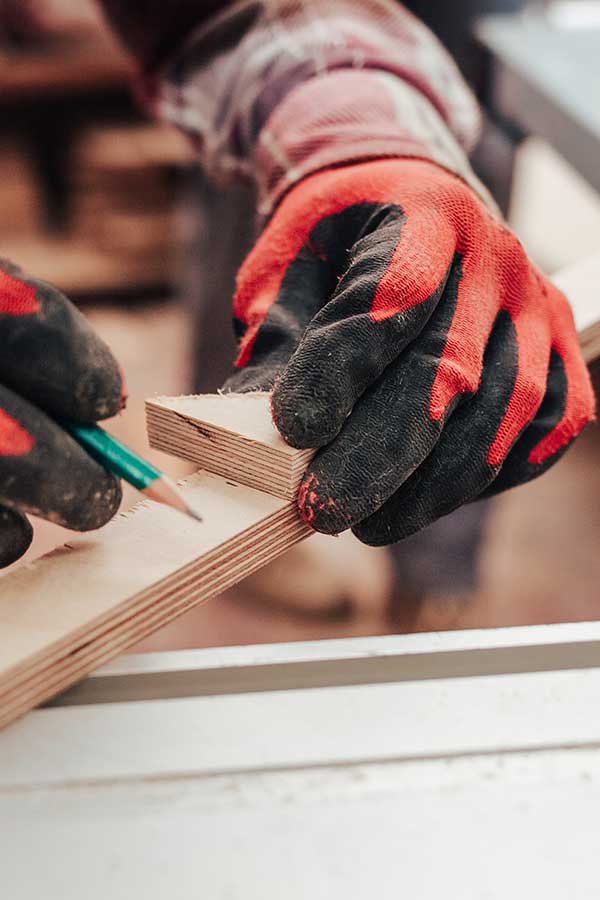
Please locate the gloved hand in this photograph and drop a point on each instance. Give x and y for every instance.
(51, 365)
(409, 339)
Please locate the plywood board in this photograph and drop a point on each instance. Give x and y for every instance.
(68, 612)
(230, 434)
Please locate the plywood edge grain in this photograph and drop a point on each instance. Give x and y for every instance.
(232, 435)
(88, 601)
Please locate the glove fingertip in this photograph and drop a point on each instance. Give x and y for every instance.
(81, 377)
(99, 506)
(101, 393)
(368, 533)
(302, 422)
(322, 512)
(16, 535)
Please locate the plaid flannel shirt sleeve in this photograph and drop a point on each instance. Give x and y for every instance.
(275, 90)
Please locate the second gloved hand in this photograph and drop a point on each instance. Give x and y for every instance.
(409, 339)
(52, 366)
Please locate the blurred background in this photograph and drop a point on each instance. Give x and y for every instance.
(112, 209)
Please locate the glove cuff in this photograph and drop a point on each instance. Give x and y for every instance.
(349, 116)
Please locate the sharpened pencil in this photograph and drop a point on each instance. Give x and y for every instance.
(123, 462)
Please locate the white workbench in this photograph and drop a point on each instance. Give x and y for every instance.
(459, 765)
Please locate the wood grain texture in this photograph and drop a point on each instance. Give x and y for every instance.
(68, 612)
(229, 434)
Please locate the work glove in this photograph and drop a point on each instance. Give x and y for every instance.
(407, 338)
(52, 365)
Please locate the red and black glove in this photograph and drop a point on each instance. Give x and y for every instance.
(51, 365)
(409, 339)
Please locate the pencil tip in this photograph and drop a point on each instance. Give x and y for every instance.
(164, 490)
(193, 514)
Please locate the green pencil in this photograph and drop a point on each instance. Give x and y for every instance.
(124, 463)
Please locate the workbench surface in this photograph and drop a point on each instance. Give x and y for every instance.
(463, 764)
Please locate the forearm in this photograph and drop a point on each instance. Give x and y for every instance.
(275, 90)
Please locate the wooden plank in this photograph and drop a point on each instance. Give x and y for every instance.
(312, 664)
(230, 434)
(81, 605)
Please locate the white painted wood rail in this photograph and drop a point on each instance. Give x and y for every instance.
(349, 661)
(459, 764)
